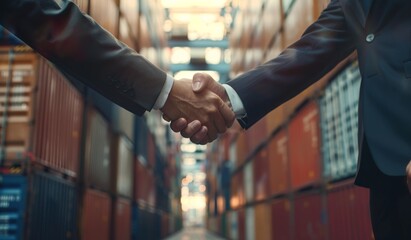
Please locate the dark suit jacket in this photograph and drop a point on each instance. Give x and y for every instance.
(84, 51)
(385, 65)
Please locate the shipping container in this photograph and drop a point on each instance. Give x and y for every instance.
(262, 219)
(271, 21)
(130, 10)
(304, 147)
(146, 224)
(348, 212)
(98, 162)
(126, 34)
(233, 231)
(339, 124)
(121, 219)
(256, 135)
(242, 225)
(96, 215)
(105, 13)
(144, 185)
(123, 166)
(53, 208)
(261, 175)
(278, 162)
(17, 83)
(281, 219)
(13, 200)
(82, 4)
(309, 216)
(58, 121)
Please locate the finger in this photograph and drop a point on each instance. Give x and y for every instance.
(200, 82)
(178, 125)
(192, 128)
(227, 114)
(200, 136)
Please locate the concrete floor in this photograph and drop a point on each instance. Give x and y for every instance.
(194, 233)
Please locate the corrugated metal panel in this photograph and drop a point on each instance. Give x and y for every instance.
(304, 147)
(53, 208)
(249, 182)
(59, 115)
(256, 135)
(261, 175)
(17, 82)
(339, 123)
(98, 158)
(348, 212)
(146, 224)
(123, 177)
(122, 219)
(309, 217)
(144, 185)
(262, 219)
(281, 219)
(279, 163)
(96, 215)
(13, 189)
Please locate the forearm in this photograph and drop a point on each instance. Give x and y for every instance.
(81, 49)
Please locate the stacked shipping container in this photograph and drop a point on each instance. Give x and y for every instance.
(72, 160)
(292, 173)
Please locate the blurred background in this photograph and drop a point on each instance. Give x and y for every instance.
(76, 166)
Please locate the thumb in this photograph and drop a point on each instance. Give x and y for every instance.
(200, 82)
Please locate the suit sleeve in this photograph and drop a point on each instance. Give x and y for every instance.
(322, 46)
(84, 51)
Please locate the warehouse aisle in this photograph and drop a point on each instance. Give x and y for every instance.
(194, 233)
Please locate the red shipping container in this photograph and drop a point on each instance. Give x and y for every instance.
(261, 175)
(96, 216)
(122, 219)
(144, 185)
(58, 124)
(165, 225)
(278, 163)
(309, 222)
(241, 225)
(348, 212)
(122, 173)
(106, 13)
(281, 219)
(304, 147)
(256, 135)
(151, 150)
(98, 158)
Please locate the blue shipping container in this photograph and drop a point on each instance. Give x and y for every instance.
(13, 189)
(53, 208)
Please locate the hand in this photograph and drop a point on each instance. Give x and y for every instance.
(205, 111)
(201, 82)
(408, 172)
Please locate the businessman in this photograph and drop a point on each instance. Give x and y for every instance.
(380, 32)
(82, 50)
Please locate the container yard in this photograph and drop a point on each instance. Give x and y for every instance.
(75, 165)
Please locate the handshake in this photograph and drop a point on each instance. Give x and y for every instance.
(199, 109)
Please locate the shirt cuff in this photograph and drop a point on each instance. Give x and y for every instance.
(162, 98)
(236, 103)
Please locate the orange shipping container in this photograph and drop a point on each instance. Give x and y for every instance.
(262, 218)
(96, 215)
(272, 21)
(106, 13)
(130, 10)
(256, 135)
(304, 147)
(122, 219)
(278, 163)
